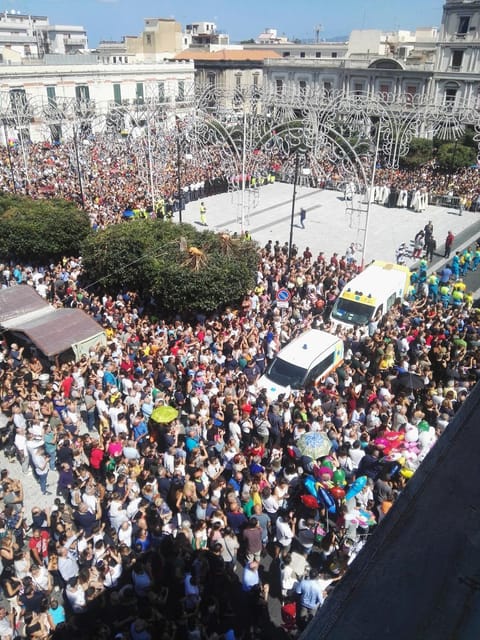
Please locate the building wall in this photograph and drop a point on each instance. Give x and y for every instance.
(100, 86)
(457, 78)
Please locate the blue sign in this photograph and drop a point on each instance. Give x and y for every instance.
(283, 295)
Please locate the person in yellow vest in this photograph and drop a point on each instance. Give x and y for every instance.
(160, 209)
(457, 297)
(445, 292)
(468, 299)
(460, 286)
(433, 287)
(467, 259)
(247, 235)
(203, 214)
(476, 259)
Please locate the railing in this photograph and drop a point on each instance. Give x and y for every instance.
(451, 202)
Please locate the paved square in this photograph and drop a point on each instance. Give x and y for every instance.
(328, 228)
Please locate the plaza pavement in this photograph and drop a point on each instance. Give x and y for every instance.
(328, 228)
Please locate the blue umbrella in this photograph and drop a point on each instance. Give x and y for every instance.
(314, 444)
(128, 213)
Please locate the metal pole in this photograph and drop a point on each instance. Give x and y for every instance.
(79, 170)
(244, 155)
(9, 152)
(372, 184)
(292, 217)
(150, 166)
(179, 180)
(24, 154)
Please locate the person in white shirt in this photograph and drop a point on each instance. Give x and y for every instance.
(75, 595)
(116, 513)
(284, 528)
(6, 624)
(67, 565)
(90, 499)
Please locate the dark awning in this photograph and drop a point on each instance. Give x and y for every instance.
(51, 330)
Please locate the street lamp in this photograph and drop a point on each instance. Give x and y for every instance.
(79, 169)
(305, 172)
(186, 157)
(9, 153)
(369, 195)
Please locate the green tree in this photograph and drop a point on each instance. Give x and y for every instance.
(40, 230)
(185, 270)
(453, 155)
(420, 152)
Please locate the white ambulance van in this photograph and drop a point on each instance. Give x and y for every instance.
(307, 359)
(370, 294)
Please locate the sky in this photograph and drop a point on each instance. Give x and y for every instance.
(112, 19)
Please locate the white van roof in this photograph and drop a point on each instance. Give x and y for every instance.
(303, 350)
(378, 278)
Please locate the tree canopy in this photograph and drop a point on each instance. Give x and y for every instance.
(454, 155)
(420, 152)
(39, 231)
(185, 270)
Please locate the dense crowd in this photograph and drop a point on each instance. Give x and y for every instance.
(194, 525)
(110, 175)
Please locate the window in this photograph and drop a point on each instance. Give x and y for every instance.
(302, 85)
(82, 93)
(320, 369)
(286, 54)
(52, 96)
(451, 90)
(56, 133)
(463, 25)
(327, 87)
(302, 54)
(148, 39)
(279, 87)
(161, 91)
(238, 81)
(255, 80)
(211, 79)
(384, 91)
(117, 93)
(457, 59)
(139, 93)
(410, 93)
(18, 100)
(318, 54)
(358, 88)
(181, 91)
(334, 54)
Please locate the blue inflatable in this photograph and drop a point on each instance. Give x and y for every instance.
(324, 497)
(356, 487)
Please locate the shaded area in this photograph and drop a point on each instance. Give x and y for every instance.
(419, 575)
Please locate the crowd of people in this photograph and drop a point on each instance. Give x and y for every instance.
(211, 522)
(108, 175)
(196, 524)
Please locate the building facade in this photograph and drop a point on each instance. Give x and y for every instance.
(430, 65)
(33, 97)
(457, 66)
(25, 36)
